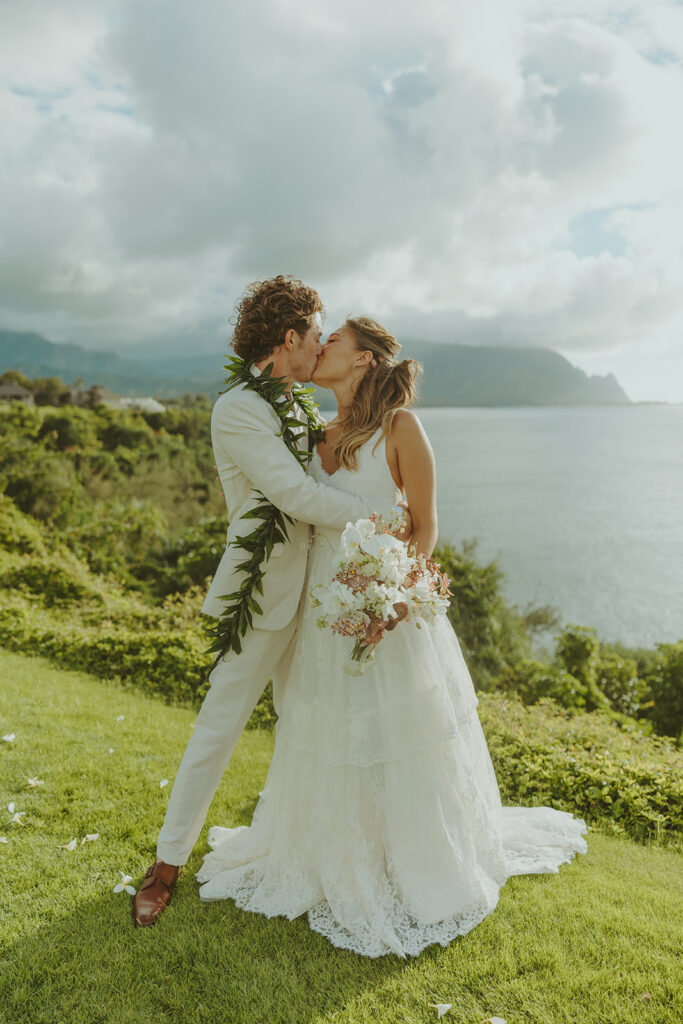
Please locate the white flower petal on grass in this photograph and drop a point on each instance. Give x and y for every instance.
(164, 782)
(441, 1008)
(124, 885)
(35, 782)
(90, 838)
(70, 846)
(16, 815)
(4, 839)
(120, 718)
(494, 1020)
(111, 750)
(9, 736)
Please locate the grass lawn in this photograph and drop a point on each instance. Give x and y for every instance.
(596, 943)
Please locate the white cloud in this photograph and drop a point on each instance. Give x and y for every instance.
(502, 172)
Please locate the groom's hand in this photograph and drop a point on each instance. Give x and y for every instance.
(378, 627)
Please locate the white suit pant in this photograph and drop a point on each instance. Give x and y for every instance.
(235, 686)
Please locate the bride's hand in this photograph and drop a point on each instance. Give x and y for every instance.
(406, 530)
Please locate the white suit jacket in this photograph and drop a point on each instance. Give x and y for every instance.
(251, 458)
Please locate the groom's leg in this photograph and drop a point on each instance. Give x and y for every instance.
(236, 684)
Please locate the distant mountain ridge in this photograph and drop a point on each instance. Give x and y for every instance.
(455, 374)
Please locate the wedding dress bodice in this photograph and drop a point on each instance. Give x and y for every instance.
(371, 478)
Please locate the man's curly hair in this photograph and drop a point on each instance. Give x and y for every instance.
(267, 310)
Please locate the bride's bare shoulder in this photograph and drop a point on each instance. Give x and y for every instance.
(406, 425)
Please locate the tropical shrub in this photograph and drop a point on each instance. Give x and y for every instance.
(70, 427)
(578, 651)
(50, 581)
(586, 764)
(18, 532)
(187, 561)
(491, 634)
(532, 680)
(173, 665)
(617, 677)
(665, 683)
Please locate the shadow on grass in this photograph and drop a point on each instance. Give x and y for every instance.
(200, 962)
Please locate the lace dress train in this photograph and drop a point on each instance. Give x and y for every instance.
(381, 816)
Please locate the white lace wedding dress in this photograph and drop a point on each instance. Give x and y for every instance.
(380, 816)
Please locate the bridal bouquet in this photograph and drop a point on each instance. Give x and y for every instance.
(377, 585)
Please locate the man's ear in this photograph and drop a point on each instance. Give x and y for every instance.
(290, 336)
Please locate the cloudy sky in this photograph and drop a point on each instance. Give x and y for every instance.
(505, 171)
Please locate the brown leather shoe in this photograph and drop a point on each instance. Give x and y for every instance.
(155, 893)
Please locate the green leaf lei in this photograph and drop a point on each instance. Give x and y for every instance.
(237, 618)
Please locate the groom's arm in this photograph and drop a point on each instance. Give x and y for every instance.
(245, 425)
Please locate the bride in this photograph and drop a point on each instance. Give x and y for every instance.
(380, 816)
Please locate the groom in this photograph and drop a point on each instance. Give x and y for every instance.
(279, 321)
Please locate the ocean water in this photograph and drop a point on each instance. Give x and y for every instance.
(582, 506)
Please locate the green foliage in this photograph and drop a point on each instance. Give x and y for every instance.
(170, 663)
(186, 561)
(19, 420)
(49, 390)
(578, 650)
(586, 764)
(114, 507)
(18, 532)
(191, 422)
(118, 428)
(121, 533)
(617, 677)
(71, 427)
(51, 582)
(665, 683)
(42, 483)
(532, 680)
(493, 637)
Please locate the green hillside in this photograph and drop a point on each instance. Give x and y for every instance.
(455, 374)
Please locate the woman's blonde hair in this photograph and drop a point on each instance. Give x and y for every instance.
(387, 385)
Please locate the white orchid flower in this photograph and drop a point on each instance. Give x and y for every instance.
(441, 1008)
(35, 782)
(90, 838)
(378, 545)
(70, 846)
(124, 884)
(336, 598)
(353, 536)
(120, 718)
(9, 736)
(164, 782)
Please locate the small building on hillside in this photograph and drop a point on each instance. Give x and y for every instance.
(13, 392)
(96, 395)
(144, 404)
(99, 395)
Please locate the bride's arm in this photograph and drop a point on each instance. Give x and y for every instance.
(416, 468)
